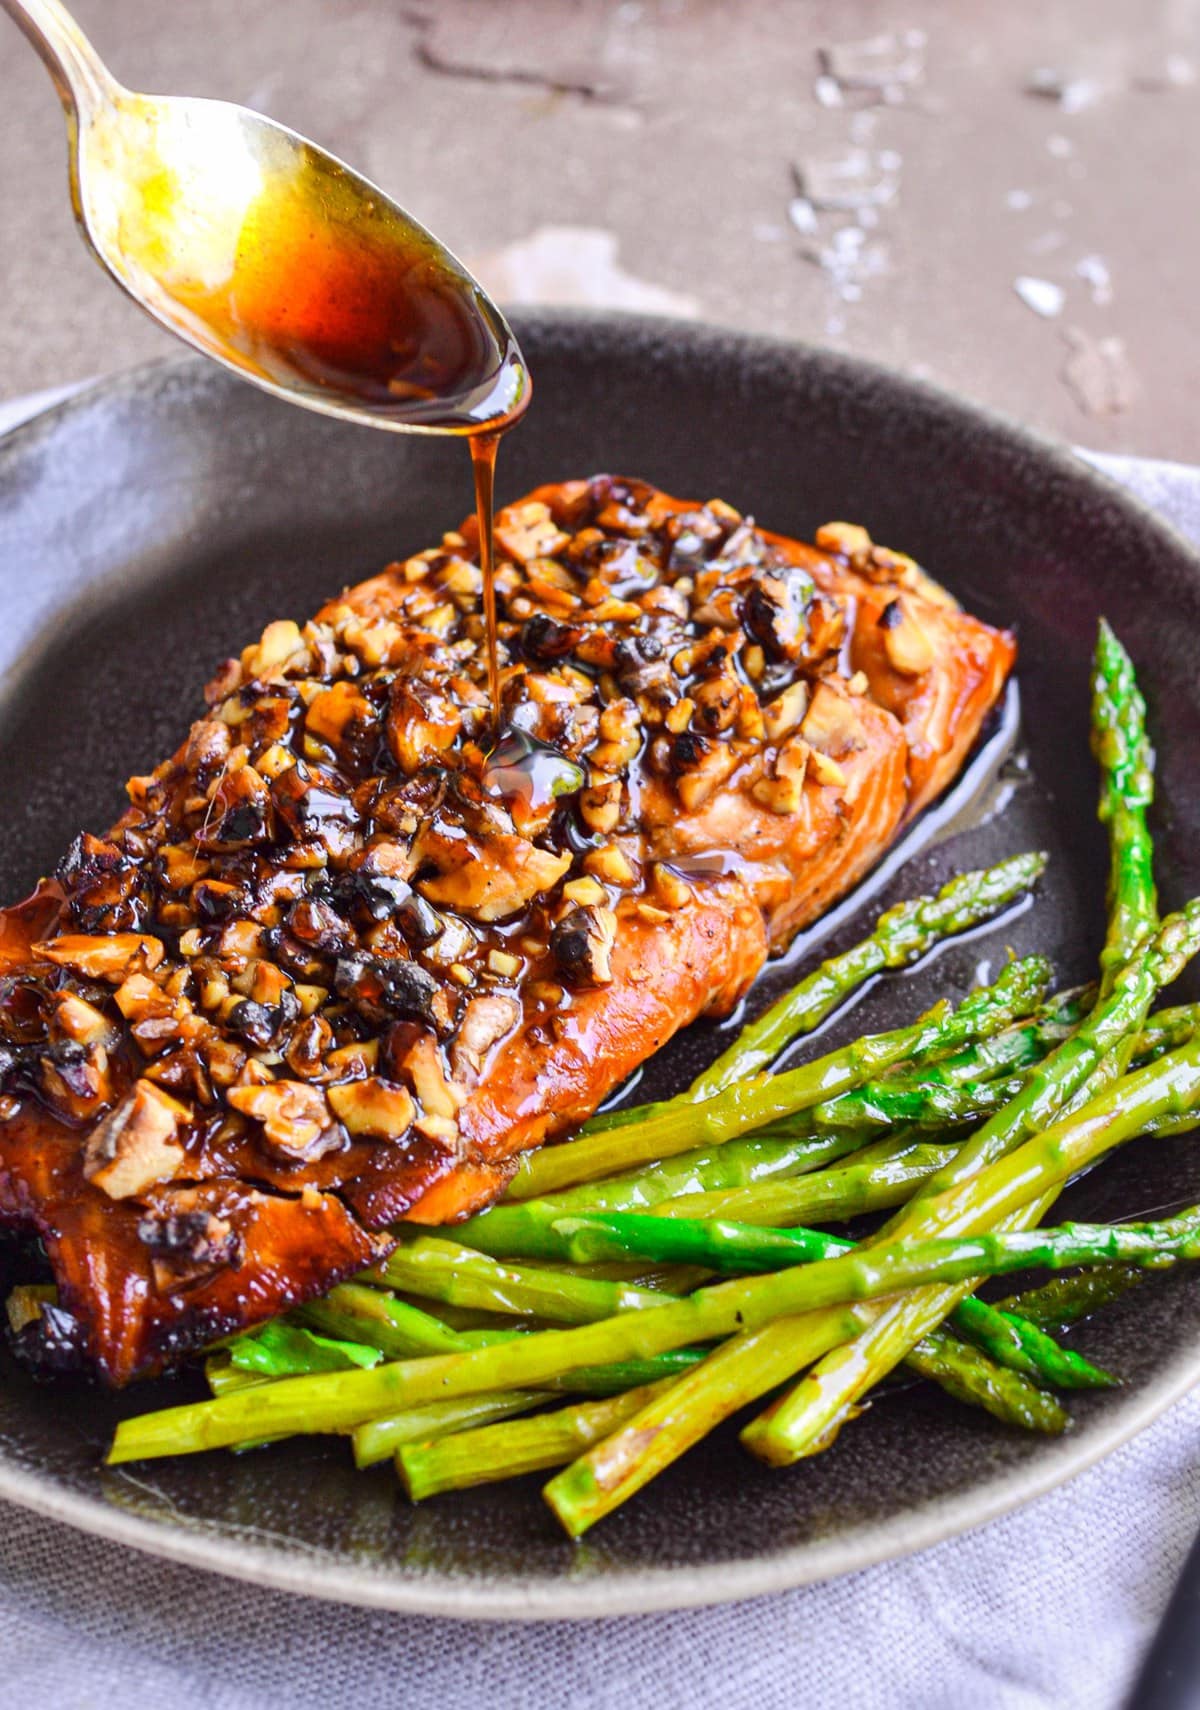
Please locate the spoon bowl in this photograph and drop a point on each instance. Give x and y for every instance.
(268, 254)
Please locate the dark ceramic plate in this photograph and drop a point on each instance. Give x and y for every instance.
(152, 525)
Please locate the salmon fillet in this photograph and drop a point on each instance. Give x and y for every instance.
(335, 966)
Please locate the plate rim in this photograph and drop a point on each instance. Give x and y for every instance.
(285, 1567)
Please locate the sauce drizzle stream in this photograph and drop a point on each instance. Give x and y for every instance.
(484, 447)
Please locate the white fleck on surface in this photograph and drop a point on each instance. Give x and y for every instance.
(1072, 93)
(850, 259)
(1097, 373)
(1062, 148)
(1159, 75)
(1093, 270)
(828, 91)
(1041, 295)
(1046, 243)
(574, 265)
(802, 214)
(1018, 200)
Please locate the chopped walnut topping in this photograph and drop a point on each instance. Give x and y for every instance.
(670, 889)
(611, 865)
(136, 1145)
(906, 644)
(294, 1116)
(421, 723)
(82, 1021)
(341, 716)
(239, 814)
(497, 880)
(600, 804)
(700, 766)
(281, 648)
(849, 540)
(529, 531)
(109, 958)
(785, 712)
(831, 723)
(584, 891)
(423, 1064)
(373, 1109)
(486, 1021)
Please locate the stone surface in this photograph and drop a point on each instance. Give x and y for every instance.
(1020, 142)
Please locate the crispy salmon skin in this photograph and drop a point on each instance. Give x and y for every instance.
(336, 965)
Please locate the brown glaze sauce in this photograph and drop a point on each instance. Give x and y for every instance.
(309, 287)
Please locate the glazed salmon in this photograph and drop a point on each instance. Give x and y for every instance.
(337, 964)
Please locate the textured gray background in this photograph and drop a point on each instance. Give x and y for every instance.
(674, 126)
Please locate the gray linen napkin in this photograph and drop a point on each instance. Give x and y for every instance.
(1051, 1607)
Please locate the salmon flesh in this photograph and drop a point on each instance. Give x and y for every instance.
(337, 964)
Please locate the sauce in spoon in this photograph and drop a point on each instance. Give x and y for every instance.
(312, 287)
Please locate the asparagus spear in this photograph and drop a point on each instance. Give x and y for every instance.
(520, 1230)
(877, 1178)
(882, 1104)
(500, 1452)
(1122, 749)
(737, 1247)
(765, 1354)
(450, 1271)
(1004, 1391)
(883, 1174)
(223, 1375)
(1063, 1301)
(932, 1100)
(581, 1495)
(446, 1271)
(353, 1312)
(821, 1401)
(1011, 1051)
(744, 1107)
(879, 1174)
(379, 1439)
(278, 1349)
(1018, 1344)
(944, 1093)
(526, 1445)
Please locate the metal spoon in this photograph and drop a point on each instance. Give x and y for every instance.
(271, 256)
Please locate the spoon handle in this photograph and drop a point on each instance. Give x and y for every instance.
(79, 74)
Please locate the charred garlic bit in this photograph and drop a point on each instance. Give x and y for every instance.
(582, 943)
(104, 885)
(187, 1240)
(383, 990)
